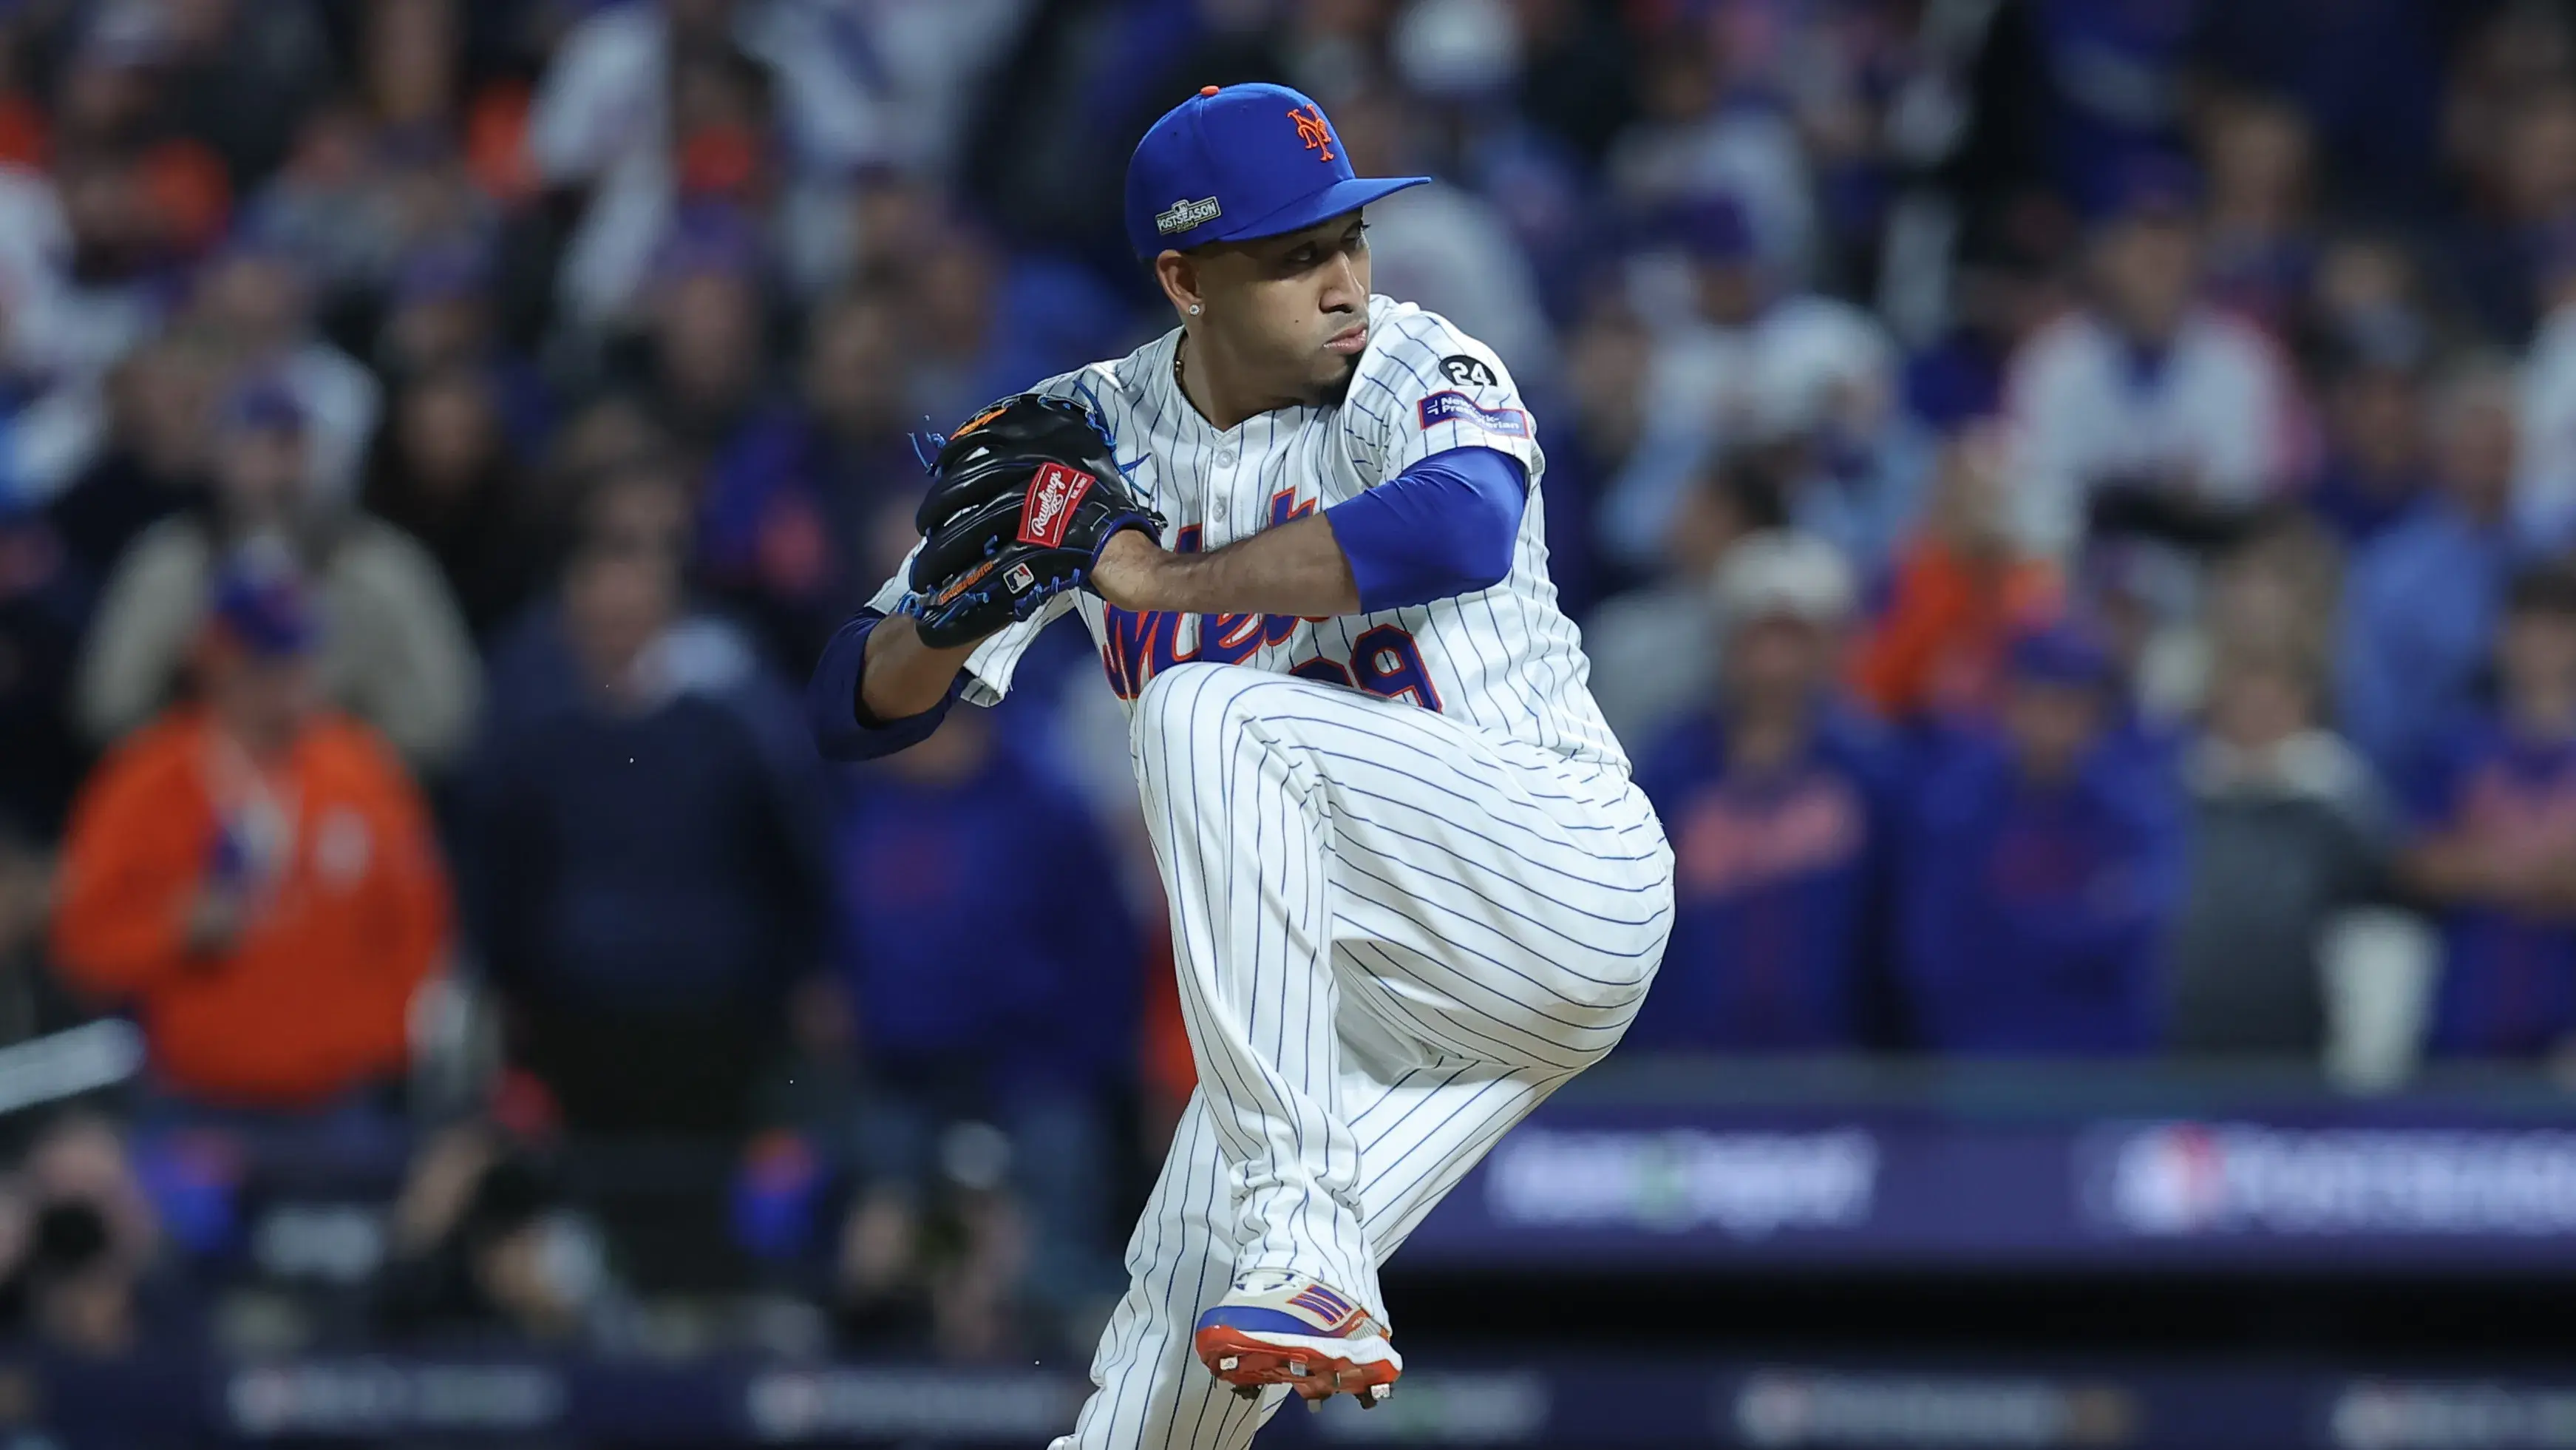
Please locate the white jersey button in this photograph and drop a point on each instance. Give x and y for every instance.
(1225, 459)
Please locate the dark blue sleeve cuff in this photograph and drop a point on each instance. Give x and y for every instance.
(1445, 526)
(842, 728)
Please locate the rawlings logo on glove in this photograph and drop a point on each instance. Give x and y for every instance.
(1022, 497)
(1049, 506)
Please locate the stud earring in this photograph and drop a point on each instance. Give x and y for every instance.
(1195, 309)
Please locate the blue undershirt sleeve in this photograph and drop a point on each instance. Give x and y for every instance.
(843, 730)
(1445, 526)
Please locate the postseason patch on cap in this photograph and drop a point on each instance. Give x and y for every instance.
(1186, 215)
(1456, 407)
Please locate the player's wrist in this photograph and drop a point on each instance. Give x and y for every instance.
(1126, 572)
(901, 674)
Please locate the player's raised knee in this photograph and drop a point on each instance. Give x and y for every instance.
(1205, 704)
(1180, 703)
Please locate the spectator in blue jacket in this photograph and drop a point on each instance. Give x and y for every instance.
(2039, 870)
(1774, 797)
(790, 496)
(648, 842)
(2373, 471)
(996, 991)
(2421, 599)
(2495, 815)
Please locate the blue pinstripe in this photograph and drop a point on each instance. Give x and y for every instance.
(1357, 1162)
(1592, 855)
(1451, 1030)
(1462, 884)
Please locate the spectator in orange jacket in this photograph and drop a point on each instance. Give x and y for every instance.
(255, 875)
(1963, 590)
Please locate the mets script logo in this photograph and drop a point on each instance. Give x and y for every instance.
(1312, 130)
(1049, 505)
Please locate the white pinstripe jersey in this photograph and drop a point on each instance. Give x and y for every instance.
(1504, 659)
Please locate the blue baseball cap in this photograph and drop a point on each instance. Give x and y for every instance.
(264, 404)
(2064, 653)
(1236, 162)
(2156, 187)
(441, 274)
(1714, 229)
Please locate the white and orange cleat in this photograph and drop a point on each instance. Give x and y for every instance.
(1275, 1327)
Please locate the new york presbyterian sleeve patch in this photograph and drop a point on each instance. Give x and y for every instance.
(1455, 407)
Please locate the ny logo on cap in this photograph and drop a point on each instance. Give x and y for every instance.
(1312, 130)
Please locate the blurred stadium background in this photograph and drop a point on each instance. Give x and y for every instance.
(2071, 504)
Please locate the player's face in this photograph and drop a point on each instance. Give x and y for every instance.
(2255, 707)
(2051, 724)
(1292, 308)
(262, 701)
(1777, 660)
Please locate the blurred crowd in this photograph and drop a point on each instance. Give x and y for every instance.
(2072, 507)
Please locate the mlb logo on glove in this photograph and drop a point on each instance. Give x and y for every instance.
(1049, 506)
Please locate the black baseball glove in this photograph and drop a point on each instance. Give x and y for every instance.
(1022, 497)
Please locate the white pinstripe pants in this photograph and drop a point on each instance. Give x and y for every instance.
(1396, 935)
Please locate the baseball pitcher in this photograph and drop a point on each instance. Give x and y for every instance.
(1412, 887)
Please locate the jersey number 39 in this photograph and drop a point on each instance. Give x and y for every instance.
(1384, 661)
